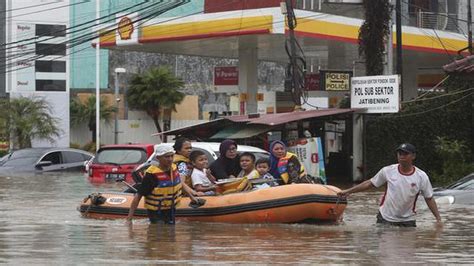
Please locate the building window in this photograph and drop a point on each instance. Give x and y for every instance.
(50, 30)
(50, 66)
(50, 49)
(50, 85)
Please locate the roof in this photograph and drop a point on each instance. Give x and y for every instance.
(462, 66)
(243, 126)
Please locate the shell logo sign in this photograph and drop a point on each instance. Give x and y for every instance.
(127, 31)
(125, 28)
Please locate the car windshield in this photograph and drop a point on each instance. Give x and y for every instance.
(465, 183)
(20, 161)
(121, 156)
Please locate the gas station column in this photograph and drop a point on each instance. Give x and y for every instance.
(248, 60)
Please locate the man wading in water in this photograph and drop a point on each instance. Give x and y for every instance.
(404, 183)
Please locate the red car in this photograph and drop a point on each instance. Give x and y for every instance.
(116, 162)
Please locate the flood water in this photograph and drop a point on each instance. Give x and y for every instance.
(39, 224)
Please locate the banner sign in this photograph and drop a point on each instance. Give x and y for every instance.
(225, 76)
(336, 80)
(310, 153)
(311, 82)
(379, 94)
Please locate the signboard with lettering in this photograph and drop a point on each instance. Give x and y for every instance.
(379, 94)
(310, 153)
(336, 80)
(226, 76)
(22, 63)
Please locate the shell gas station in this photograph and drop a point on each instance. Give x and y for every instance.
(253, 31)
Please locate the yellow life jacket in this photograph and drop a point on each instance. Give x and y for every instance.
(283, 168)
(167, 193)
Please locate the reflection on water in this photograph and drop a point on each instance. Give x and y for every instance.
(39, 224)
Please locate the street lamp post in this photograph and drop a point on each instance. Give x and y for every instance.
(117, 100)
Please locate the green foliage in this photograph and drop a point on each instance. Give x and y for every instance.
(456, 155)
(90, 147)
(448, 116)
(28, 119)
(373, 34)
(85, 113)
(154, 90)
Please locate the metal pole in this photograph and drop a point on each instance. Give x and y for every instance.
(295, 87)
(117, 100)
(398, 14)
(97, 77)
(469, 25)
(389, 66)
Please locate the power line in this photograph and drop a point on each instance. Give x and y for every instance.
(87, 38)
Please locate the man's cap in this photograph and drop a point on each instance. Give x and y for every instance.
(407, 147)
(162, 149)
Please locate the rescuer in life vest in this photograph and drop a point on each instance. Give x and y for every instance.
(161, 187)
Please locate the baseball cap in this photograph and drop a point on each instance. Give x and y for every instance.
(162, 149)
(407, 147)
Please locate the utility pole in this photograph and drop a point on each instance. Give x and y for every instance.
(469, 26)
(293, 67)
(398, 15)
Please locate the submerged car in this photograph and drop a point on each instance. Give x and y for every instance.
(43, 160)
(116, 162)
(459, 192)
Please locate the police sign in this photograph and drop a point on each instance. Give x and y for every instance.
(336, 80)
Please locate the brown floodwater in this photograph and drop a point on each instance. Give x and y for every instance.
(39, 224)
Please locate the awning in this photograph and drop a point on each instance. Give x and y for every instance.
(283, 118)
(242, 126)
(240, 132)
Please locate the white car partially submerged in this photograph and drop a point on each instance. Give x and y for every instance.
(211, 149)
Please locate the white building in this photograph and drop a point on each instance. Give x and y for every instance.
(37, 57)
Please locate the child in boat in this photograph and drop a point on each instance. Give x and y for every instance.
(263, 167)
(200, 181)
(247, 163)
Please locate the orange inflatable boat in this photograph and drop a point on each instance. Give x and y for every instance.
(295, 203)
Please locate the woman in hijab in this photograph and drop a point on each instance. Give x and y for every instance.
(285, 167)
(228, 163)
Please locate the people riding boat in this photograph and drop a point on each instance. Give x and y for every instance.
(200, 181)
(183, 148)
(285, 166)
(228, 163)
(161, 187)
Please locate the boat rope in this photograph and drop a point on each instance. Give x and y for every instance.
(333, 211)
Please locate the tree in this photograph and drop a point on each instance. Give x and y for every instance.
(373, 34)
(84, 112)
(28, 119)
(153, 91)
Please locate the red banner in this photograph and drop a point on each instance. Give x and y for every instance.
(312, 81)
(226, 76)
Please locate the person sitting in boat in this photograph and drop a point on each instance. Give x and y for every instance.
(247, 163)
(161, 187)
(183, 147)
(285, 166)
(266, 179)
(228, 163)
(201, 182)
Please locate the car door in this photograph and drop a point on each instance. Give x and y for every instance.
(73, 161)
(55, 159)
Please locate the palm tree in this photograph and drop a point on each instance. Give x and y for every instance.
(84, 112)
(153, 91)
(28, 119)
(373, 34)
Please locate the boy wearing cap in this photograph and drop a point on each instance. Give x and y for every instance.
(404, 183)
(161, 187)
